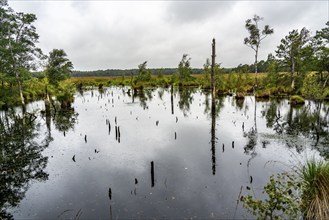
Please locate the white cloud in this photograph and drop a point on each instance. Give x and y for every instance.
(123, 34)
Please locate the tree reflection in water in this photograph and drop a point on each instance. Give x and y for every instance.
(208, 102)
(252, 136)
(21, 158)
(65, 119)
(144, 95)
(213, 110)
(185, 99)
(310, 121)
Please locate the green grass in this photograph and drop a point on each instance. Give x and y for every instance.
(315, 189)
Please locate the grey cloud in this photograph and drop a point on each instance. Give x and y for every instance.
(81, 6)
(112, 34)
(191, 11)
(288, 15)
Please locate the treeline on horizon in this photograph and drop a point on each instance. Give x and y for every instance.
(262, 67)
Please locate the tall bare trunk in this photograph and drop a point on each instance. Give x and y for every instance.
(213, 63)
(213, 109)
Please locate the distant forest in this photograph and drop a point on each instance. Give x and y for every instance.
(241, 68)
(128, 72)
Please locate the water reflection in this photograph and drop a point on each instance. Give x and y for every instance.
(213, 133)
(65, 119)
(21, 158)
(185, 99)
(144, 96)
(212, 107)
(239, 102)
(310, 121)
(108, 177)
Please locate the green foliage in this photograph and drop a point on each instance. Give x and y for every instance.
(206, 73)
(160, 73)
(18, 39)
(232, 81)
(290, 49)
(272, 78)
(144, 74)
(320, 44)
(33, 89)
(59, 66)
(205, 80)
(311, 87)
(326, 94)
(184, 69)
(255, 35)
(65, 94)
(293, 51)
(245, 68)
(282, 200)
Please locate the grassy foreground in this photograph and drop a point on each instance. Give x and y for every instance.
(315, 193)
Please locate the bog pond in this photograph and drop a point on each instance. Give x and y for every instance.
(160, 153)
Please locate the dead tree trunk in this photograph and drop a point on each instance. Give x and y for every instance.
(213, 109)
(213, 67)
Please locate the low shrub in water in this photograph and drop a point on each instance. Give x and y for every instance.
(297, 100)
(281, 202)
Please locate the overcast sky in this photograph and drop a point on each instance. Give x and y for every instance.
(123, 34)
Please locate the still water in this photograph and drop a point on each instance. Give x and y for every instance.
(161, 153)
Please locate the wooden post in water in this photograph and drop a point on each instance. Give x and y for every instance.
(119, 134)
(152, 173)
(172, 98)
(213, 63)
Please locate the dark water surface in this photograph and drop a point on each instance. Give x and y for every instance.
(72, 165)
